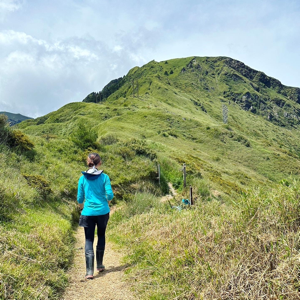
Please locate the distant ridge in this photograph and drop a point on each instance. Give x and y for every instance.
(14, 118)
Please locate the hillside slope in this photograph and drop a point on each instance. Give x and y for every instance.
(241, 238)
(176, 108)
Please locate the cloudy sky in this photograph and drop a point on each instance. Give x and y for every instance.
(57, 52)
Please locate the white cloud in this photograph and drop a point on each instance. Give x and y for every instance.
(9, 6)
(56, 52)
(38, 77)
(117, 48)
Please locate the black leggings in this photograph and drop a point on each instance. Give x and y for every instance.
(92, 221)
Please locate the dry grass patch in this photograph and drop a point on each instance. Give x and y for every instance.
(245, 250)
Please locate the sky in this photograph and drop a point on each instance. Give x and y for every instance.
(56, 52)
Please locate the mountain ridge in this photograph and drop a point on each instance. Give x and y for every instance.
(14, 119)
(253, 90)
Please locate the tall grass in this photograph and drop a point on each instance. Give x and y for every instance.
(248, 249)
(36, 235)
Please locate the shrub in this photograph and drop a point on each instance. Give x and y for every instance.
(140, 148)
(84, 137)
(17, 139)
(126, 153)
(39, 183)
(4, 129)
(108, 140)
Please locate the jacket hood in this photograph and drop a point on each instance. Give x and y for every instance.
(92, 174)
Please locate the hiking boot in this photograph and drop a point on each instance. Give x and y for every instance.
(99, 259)
(89, 260)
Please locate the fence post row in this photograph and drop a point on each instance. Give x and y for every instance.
(184, 181)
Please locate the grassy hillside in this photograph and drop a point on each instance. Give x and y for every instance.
(35, 221)
(243, 172)
(175, 107)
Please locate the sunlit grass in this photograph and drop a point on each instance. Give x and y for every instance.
(244, 250)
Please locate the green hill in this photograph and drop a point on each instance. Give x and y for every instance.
(14, 118)
(176, 108)
(239, 240)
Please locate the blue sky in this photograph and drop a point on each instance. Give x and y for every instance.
(56, 52)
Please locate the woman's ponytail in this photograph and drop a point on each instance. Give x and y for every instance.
(93, 159)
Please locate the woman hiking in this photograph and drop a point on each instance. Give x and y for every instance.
(94, 189)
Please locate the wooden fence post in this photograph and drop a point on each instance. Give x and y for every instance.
(184, 175)
(158, 171)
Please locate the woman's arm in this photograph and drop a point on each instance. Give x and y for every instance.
(108, 190)
(80, 192)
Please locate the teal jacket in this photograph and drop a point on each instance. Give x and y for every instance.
(94, 189)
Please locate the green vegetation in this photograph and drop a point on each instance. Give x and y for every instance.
(35, 223)
(247, 249)
(37, 202)
(239, 241)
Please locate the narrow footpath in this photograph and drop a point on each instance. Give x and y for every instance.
(108, 285)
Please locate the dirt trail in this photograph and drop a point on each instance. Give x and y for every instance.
(108, 285)
(171, 195)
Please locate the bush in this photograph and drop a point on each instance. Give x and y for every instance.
(39, 183)
(17, 139)
(126, 153)
(4, 129)
(140, 148)
(108, 140)
(84, 137)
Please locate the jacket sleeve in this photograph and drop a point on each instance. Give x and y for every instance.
(108, 190)
(80, 191)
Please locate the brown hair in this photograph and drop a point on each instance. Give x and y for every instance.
(93, 159)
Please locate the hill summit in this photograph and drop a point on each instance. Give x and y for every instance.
(222, 78)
